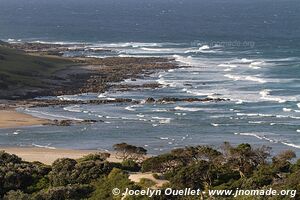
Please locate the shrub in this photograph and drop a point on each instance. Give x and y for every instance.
(16, 174)
(130, 165)
(156, 176)
(68, 171)
(74, 192)
(16, 195)
(146, 183)
(104, 186)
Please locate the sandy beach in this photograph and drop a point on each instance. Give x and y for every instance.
(48, 156)
(12, 119)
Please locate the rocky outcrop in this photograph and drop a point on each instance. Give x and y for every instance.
(68, 122)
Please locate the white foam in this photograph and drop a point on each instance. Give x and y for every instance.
(247, 114)
(75, 108)
(164, 138)
(180, 114)
(291, 145)
(243, 61)
(250, 134)
(132, 107)
(198, 92)
(247, 78)
(17, 132)
(163, 120)
(254, 114)
(255, 122)
(43, 146)
(184, 60)
(129, 44)
(287, 109)
(111, 117)
(50, 115)
(239, 101)
(260, 136)
(160, 110)
(256, 64)
(227, 65)
(187, 109)
(102, 95)
(265, 95)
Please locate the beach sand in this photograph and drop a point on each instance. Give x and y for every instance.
(13, 119)
(136, 177)
(48, 156)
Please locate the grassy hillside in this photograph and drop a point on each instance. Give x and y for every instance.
(18, 69)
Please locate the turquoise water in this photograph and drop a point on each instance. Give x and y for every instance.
(245, 51)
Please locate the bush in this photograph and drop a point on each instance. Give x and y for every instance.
(16, 174)
(130, 165)
(74, 192)
(104, 186)
(156, 176)
(146, 183)
(95, 157)
(16, 195)
(68, 171)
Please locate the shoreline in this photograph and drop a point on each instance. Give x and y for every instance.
(85, 75)
(48, 156)
(10, 118)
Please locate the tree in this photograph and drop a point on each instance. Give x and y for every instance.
(74, 192)
(126, 151)
(16, 195)
(68, 171)
(162, 163)
(196, 154)
(116, 179)
(281, 162)
(243, 158)
(16, 174)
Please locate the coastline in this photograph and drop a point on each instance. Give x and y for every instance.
(10, 118)
(79, 75)
(48, 156)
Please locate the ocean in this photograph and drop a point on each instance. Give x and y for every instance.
(246, 51)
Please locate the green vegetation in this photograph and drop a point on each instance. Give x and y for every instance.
(18, 69)
(146, 183)
(200, 167)
(129, 152)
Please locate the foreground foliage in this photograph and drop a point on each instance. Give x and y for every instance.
(200, 167)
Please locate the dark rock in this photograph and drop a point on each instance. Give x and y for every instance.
(150, 100)
(63, 122)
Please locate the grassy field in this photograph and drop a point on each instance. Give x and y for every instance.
(18, 69)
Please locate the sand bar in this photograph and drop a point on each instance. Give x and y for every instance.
(13, 119)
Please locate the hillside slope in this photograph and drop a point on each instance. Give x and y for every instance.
(21, 73)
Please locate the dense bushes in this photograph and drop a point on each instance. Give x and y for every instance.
(68, 171)
(200, 167)
(116, 179)
(18, 175)
(130, 165)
